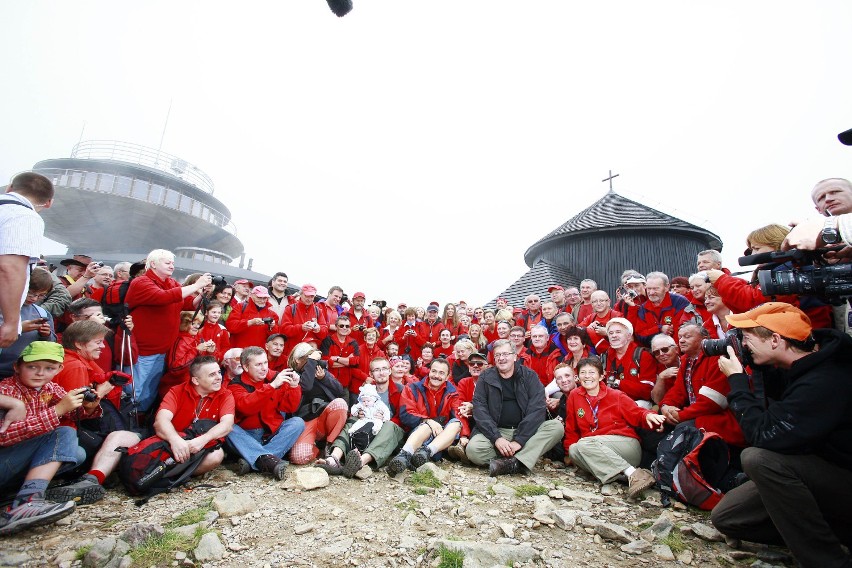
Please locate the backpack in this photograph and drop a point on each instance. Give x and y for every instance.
(112, 302)
(690, 463)
(148, 468)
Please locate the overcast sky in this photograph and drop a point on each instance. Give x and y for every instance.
(415, 150)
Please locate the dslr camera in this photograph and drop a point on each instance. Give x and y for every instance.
(719, 347)
(89, 395)
(269, 321)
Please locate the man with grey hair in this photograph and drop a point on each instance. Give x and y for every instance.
(709, 259)
(832, 197)
(511, 431)
(156, 300)
(331, 306)
(661, 313)
(122, 271)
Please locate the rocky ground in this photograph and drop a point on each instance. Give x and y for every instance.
(553, 517)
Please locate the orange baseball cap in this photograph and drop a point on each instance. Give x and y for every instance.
(779, 317)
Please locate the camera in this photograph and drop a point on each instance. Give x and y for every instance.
(719, 347)
(381, 303)
(624, 292)
(344, 299)
(809, 276)
(219, 281)
(89, 395)
(99, 264)
(323, 364)
(269, 321)
(118, 379)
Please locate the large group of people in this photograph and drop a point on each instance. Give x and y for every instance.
(99, 358)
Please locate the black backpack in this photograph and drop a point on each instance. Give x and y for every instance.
(690, 463)
(148, 468)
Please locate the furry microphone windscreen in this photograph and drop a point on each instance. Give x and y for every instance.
(340, 7)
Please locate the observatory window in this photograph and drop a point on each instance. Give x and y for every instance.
(196, 208)
(90, 182)
(106, 183)
(63, 179)
(140, 189)
(185, 203)
(122, 185)
(172, 198)
(157, 192)
(76, 179)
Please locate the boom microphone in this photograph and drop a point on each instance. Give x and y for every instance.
(340, 7)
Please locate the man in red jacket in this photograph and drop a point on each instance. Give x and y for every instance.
(428, 410)
(343, 355)
(304, 321)
(156, 300)
(595, 323)
(700, 390)
(261, 435)
(542, 356)
(251, 322)
(428, 331)
(627, 366)
(662, 313)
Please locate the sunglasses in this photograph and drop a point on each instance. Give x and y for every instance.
(343, 326)
(476, 363)
(662, 351)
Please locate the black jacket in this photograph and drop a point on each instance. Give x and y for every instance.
(813, 414)
(488, 403)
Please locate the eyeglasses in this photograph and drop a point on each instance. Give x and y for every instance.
(382, 370)
(662, 350)
(343, 326)
(503, 355)
(475, 363)
(35, 295)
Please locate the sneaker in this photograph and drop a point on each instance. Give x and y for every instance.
(421, 456)
(399, 464)
(84, 491)
(638, 481)
(274, 466)
(243, 467)
(33, 513)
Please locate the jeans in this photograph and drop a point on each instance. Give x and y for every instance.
(146, 379)
(59, 445)
(249, 443)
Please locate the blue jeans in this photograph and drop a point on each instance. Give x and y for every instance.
(59, 445)
(249, 443)
(146, 379)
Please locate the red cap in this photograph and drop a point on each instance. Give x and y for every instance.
(242, 281)
(309, 289)
(555, 287)
(359, 295)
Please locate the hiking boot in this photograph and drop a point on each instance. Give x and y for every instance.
(504, 466)
(84, 491)
(457, 453)
(421, 456)
(243, 467)
(276, 467)
(638, 481)
(399, 464)
(33, 513)
(352, 463)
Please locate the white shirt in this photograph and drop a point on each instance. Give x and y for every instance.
(21, 232)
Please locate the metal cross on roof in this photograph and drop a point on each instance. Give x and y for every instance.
(609, 179)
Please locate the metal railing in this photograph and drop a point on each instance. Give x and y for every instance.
(144, 156)
(139, 189)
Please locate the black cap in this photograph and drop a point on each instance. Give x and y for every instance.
(479, 355)
(846, 137)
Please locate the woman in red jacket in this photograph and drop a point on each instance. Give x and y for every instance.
(600, 430)
(214, 331)
(450, 319)
(370, 349)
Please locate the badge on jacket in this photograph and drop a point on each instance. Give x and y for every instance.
(581, 413)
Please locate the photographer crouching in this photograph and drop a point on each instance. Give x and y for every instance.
(796, 414)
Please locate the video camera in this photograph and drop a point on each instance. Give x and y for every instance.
(811, 275)
(719, 347)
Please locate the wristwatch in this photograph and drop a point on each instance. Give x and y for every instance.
(830, 235)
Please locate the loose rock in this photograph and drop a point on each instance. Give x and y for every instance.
(230, 504)
(663, 552)
(209, 548)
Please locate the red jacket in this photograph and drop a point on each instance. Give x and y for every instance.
(649, 319)
(245, 335)
(178, 359)
(634, 380)
(439, 350)
(219, 335)
(155, 305)
(351, 376)
(259, 405)
(465, 389)
(368, 354)
(617, 415)
(419, 403)
(581, 311)
(428, 333)
(291, 325)
(78, 372)
(527, 321)
(394, 393)
(710, 389)
(410, 345)
(544, 362)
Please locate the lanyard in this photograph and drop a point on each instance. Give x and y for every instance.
(594, 411)
(687, 379)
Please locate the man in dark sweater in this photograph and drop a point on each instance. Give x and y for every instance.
(800, 462)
